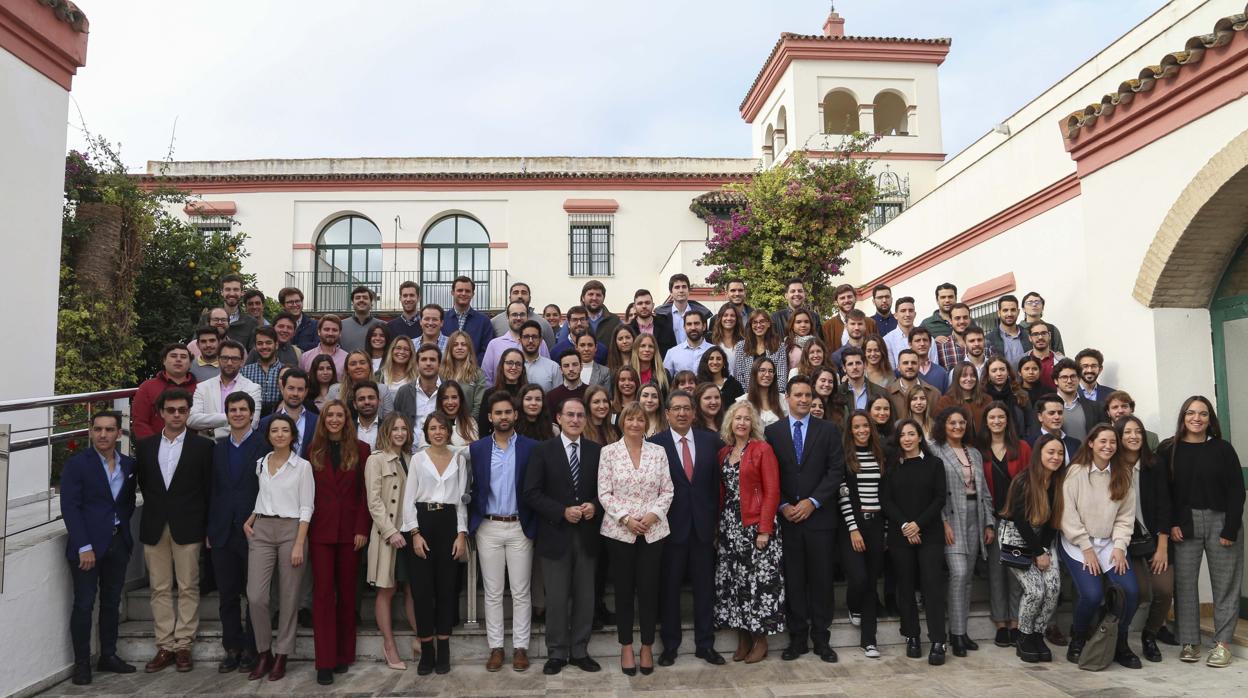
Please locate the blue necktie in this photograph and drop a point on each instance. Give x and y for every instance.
(798, 444)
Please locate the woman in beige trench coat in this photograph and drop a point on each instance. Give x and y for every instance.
(385, 474)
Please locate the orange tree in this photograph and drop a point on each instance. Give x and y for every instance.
(795, 220)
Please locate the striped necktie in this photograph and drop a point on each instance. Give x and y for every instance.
(574, 461)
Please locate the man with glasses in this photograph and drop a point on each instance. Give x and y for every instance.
(578, 322)
(1091, 362)
(517, 314)
(219, 320)
(538, 368)
(1081, 413)
(1033, 310)
(291, 299)
(519, 292)
(1040, 336)
(208, 412)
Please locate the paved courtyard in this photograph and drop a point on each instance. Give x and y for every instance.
(988, 672)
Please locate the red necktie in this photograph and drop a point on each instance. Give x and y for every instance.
(686, 457)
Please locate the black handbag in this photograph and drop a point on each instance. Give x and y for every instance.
(1013, 548)
(1142, 543)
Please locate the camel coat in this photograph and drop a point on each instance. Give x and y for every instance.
(384, 479)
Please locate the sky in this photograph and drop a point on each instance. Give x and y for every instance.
(245, 79)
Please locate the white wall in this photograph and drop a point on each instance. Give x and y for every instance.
(32, 171)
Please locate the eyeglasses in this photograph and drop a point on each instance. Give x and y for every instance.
(759, 323)
(680, 408)
(513, 364)
(230, 359)
(1034, 302)
(531, 336)
(1039, 334)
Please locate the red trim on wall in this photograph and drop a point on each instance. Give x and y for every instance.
(498, 245)
(501, 183)
(792, 49)
(888, 155)
(34, 34)
(989, 289)
(1192, 92)
(1055, 194)
(591, 205)
(305, 246)
(400, 245)
(211, 208)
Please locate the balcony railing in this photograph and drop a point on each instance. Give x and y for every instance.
(330, 291)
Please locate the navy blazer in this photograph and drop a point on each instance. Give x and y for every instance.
(480, 453)
(1072, 444)
(819, 474)
(233, 500)
(88, 507)
(183, 506)
(477, 325)
(695, 505)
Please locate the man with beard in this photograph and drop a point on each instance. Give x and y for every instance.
(367, 407)
(952, 351)
(940, 324)
(679, 307)
(907, 378)
(462, 316)
(264, 369)
(882, 298)
(516, 315)
(646, 322)
(602, 322)
(538, 368)
(355, 328)
(836, 328)
(329, 329)
(794, 299)
(520, 293)
(287, 353)
(408, 322)
(686, 356)
(1091, 362)
(208, 410)
(1009, 339)
(1040, 336)
(208, 340)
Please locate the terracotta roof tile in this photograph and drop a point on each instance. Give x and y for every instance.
(1171, 63)
(430, 176)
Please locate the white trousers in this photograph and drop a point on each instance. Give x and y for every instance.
(505, 554)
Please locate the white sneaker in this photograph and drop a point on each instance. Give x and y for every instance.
(855, 619)
(870, 652)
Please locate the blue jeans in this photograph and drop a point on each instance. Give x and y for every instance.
(1092, 591)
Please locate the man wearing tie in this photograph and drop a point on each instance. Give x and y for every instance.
(812, 467)
(561, 485)
(691, 457)
(97, 500)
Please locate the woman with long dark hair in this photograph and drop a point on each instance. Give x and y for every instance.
(533, 420)
(451, 401)
(913, 494)
(827, 388)
(376, 342)
(510, 377)
(624, 386)
(1150, 541)
(880, 409)
(1208, 510)
(708, 407)
(1029, 372)
(620, 353)
(970, 527)
(875, 354)
(727, 328)
(339, 530)
(801, 330)
(1098, 516)
(1004, 456)
(598, 425)
(815, 355)
(761, 340)
(1001, 385)
(324, 375)
(651, 401)
(1033, 510)
(763, 393)
(862, 537)
(714, 367)
(966, 392)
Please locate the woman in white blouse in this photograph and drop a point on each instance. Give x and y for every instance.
(635, 488)
(277, 534)
(437, 518)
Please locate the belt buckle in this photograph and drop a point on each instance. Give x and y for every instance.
(434, 506)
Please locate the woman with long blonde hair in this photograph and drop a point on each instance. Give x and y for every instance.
(648, 363)
(459, 364)
(399, 367)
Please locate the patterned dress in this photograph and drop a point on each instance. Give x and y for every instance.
(749, 588)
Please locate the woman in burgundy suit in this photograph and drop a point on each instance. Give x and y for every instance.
(339, 530)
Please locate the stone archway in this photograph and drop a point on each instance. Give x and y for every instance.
(1199, 235)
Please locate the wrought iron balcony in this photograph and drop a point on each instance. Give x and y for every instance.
(330, 291)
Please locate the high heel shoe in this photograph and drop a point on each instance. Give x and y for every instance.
(646, 670)
(628, 670)
(758, 649)
(744, 642)
(392, 658)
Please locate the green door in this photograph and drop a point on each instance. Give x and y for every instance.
(1229, 318)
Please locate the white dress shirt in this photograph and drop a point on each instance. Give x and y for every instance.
(693, 450)
(425, 485)
(290, 493)
(368, 434)
(169, 454)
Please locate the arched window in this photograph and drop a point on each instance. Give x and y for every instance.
(348, 254)
(782, 131)
(454, 245)
(840, 112)
(769, 146)
(890, 115)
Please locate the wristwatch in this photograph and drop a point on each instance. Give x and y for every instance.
(624, 520)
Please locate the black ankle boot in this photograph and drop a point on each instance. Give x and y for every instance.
(1148, 643)
(1075, 649)
(1124, 656)
(957, 645)
(1027, 650)
(1042, 650)
(428, 655)
(443, 664)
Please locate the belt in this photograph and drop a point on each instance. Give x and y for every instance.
(433, 506)
(272, 516)
(972, 496)
(868, 515)
(506, 519)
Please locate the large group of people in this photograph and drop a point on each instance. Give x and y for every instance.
(750, 454)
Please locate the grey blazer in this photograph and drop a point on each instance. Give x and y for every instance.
(958, 507)
(599, 375)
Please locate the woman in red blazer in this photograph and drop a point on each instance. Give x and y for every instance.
(749, 588)
(1005, 455)
(339, 529)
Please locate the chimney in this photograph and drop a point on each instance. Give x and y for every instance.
(835, 24)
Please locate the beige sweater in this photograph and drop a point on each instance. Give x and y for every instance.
(1089, 513)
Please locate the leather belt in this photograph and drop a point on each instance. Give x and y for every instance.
(505, 519)
(433, 506)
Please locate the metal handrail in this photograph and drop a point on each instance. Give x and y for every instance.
(61, 400)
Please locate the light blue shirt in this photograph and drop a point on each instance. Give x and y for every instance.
(678, 324)
(860, 399)
(805, 422)
(501, 500)
(685, 357)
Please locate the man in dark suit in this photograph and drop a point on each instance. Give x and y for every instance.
(504, 527)
(234, 489)
(1081, 413)
(812, 468)
(294, 387)
(97, 501)
(693, 459)
(1091, 362)
(561, 485)
(1051, 414)
(650, 323)
(174, 473)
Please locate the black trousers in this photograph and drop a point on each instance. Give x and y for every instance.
(862, 572)
(569, 584)
(808, 582)
(229, 566)
(696, 559)
(108, 576)
(925, 562)
(636, 568)
(435, 578)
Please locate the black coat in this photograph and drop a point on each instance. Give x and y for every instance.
(233, 500)
(695, 505)
(548, 490)
(1155, 496)
(183, 507)
(818, 476)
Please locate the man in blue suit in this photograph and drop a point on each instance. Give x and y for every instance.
(97, 501)
(294, 388)
(504, 527)
(693, 458)
(234, 489)
(462, 316)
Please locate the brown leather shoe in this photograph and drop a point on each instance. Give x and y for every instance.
(759, 651)
(264, 664)
(496, 659)
(279, 668)
(744, 643)
(520, 659)
(162, 659)
(1055, 637)
(183, 660)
